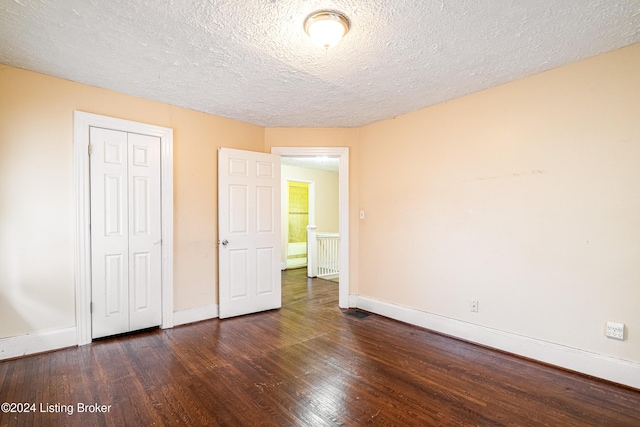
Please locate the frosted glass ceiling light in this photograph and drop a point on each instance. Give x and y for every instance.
(325, 28)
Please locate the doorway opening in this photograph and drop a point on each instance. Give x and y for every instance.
(342, 156)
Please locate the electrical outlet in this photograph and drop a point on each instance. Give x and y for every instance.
(615, 330)
(473, 305)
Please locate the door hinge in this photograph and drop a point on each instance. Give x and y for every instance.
(89, 149)
(91, 307)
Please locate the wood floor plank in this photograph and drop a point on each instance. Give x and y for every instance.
(307, 364)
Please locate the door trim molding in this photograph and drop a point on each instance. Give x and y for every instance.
(82, 186)
(343, 203)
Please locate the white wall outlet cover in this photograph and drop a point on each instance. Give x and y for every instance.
(615, 330)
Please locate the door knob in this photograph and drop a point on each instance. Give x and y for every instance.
(225, 242)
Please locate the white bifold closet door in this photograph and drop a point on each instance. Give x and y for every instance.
(125, 232)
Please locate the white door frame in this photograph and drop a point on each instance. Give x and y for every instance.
(82, 186)
(343, 205)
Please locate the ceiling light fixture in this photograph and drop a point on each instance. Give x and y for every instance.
(326, 28)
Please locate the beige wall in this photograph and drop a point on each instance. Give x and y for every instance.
(36, 194)
(524, 196)
(326, 197)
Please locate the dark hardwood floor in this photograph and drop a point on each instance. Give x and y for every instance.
(307, 364)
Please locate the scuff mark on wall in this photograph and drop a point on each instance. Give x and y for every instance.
(513, 175)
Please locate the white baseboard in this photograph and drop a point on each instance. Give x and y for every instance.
(37, 342)
(195, 314)
(597, 365)
(353, 301)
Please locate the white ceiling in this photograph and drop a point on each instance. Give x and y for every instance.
(251, 60)
(331, 164)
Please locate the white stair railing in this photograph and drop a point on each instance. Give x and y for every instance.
(322, 253)
(328, 244)
(312, 261)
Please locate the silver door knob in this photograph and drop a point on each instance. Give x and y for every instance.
(225, 242)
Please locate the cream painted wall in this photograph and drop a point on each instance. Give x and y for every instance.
(326, 189)
(36, 194)
(326, 199)
(334, 137)
(524, 196)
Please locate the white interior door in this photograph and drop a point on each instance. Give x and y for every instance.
(249, 232)
(125, 232)
(145, 234)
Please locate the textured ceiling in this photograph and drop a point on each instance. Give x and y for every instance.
(251, 60)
